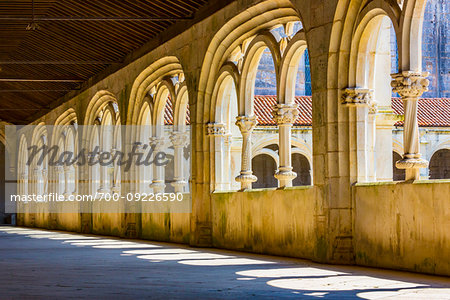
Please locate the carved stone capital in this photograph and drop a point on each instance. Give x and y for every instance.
(285, 114)
(411, 162)
(246, 124)
(159, 143)
(409, 84)
(358, 97)
(179, 139)
(58, 169)
(215, 129)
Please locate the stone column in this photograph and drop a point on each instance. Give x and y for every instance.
(385, 120)
(158, 184)
(360, 102)
(179, 141)
(371, 138)
(246, 125)
(217, 133)
(285, 115)
(114, 174)
(410, 86)
(58, 174)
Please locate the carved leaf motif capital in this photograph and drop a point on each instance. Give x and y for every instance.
(285, 113)
(410, 84)
(179, 139)
(158, 142)
(246, 124)
(215, 129)
(357, 96)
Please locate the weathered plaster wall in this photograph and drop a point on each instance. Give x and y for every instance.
(270, 221)
(403, 226)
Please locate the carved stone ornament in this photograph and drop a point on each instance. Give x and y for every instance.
(357, 97)
(410, 84)
(215, 129)
(246, 124)
(285, 113)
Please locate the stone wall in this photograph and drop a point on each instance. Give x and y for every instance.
(403, 226)
(269, 221)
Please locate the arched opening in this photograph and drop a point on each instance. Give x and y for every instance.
(227, 137)
(144, 173)
(440, 164)
(264, 166)
(368, 98)
(397, 174)
(302, 167)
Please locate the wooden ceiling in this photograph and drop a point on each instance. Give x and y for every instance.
(74, 41)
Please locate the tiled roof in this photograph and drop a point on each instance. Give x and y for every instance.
(264, 106)
(432, 112)
(168, 114)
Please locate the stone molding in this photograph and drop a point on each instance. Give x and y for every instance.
(285, 114)
(215, 129)
(246, 124)
(359, 97)
(179, 139)
(159, 143)
(409, 84)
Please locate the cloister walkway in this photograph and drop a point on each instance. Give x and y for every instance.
(50, 264)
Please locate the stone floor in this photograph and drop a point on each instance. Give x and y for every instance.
(49, 264)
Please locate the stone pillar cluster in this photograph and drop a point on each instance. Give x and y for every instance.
(246, 125)
(410, 86)
(285, 115)
(179, 141)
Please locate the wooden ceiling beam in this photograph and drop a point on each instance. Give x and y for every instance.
(95, 19)
(40, 80)
(59, 62)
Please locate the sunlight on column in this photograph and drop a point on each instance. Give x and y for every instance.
(289, 272)
(159, 251)
(225, 262)
(122, 245)
(429, 293)
(57, 236)
(181, 256)
(340, 283)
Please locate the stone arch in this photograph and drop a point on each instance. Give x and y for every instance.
(181, 107)
(39, 169)
(289, 67)
(269, 152)
(264, 15)
(302, 166)
(264, 166)
(164, 92)
(410, 40)
(147, 81)
(228, 79)
(249, 69)
(440, 164)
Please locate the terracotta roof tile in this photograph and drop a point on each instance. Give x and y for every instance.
(432, 112)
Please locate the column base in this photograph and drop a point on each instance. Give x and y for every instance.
(179, 185)
(285, 177)
(412, 167)
(246, 180)
(158, 186)
(411, 163)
